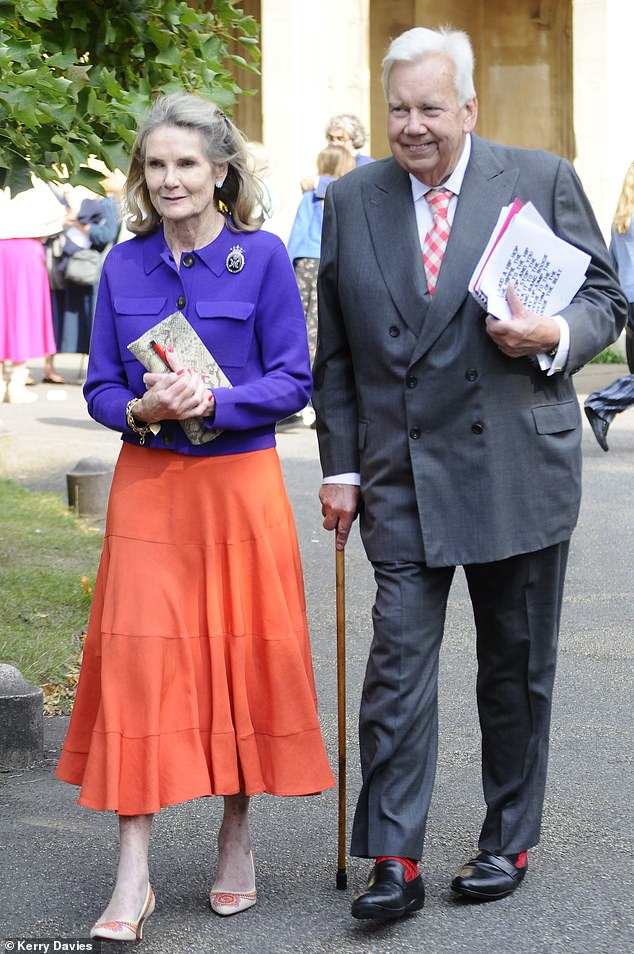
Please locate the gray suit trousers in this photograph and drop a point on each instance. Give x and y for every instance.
(517, 606)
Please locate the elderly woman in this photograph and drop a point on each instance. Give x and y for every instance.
(197, 677)
(347, 131)
(342, 130)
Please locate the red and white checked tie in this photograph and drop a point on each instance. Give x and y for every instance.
(436, 239)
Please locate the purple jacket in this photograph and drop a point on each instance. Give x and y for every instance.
(252, 321)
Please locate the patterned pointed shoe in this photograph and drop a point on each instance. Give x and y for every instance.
(232, 902)
(126, 930)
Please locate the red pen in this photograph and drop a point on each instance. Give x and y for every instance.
(161, 353)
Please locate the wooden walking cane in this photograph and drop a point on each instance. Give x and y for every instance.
(340, 582)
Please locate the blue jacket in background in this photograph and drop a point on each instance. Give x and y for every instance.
(103, 218)
(622, 255)
(305, 238)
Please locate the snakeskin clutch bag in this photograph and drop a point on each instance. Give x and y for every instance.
(177, 332)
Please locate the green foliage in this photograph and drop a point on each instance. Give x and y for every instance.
(48, 562)
(75, 75)
(609, 356)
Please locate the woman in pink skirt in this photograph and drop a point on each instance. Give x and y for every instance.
(26, 324)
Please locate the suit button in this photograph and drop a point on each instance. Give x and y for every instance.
(414, 433)
(394, 331)
(471, 374)
(411, 381)
(188, 260)
(180, 302)
(477, 428)
(167, 439)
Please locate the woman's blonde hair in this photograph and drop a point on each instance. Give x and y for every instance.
(335, 161)
(625, 205)
(222, 142)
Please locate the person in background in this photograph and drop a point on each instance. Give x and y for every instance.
(347, 130)
(96, 224)
(342, 130)
(304, 241)
(602, 406)
(197, 676)
(26, 325)
(437, 427)
(303, 249)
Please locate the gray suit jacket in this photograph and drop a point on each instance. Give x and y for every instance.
(465, 455)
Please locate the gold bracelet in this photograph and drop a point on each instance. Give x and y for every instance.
(132, 424)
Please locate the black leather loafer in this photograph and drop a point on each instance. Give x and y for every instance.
(388, 894)
(599, 427)
(488, 877)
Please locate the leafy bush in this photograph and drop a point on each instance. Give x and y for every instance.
(75, 75)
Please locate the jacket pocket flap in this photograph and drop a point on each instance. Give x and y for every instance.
(553, 418)
(139, 306)
(225, 309)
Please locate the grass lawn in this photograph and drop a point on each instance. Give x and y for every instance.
(48, 563)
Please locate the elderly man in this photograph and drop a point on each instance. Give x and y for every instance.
(438, 426)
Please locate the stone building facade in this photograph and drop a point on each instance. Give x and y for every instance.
(549, 73)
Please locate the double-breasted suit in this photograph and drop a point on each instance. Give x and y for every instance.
(466, 457)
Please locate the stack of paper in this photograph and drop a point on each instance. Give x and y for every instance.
(545, 271)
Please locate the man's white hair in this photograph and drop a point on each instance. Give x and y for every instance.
(419, 42)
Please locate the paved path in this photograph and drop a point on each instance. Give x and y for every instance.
(57, 860)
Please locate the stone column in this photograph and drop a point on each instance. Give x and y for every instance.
(314, 65)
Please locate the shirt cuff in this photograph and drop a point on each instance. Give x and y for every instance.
(350, 478)
(553, 363)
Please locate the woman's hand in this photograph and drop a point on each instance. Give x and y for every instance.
(174, 395)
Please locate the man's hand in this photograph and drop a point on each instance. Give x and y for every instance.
(339, 506)
(526, 333)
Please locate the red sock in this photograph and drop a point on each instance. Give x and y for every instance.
(410, 865)
(520, 861)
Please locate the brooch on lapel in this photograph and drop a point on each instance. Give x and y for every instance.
(235, 260)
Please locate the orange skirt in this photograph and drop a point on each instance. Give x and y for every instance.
(197, 675)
